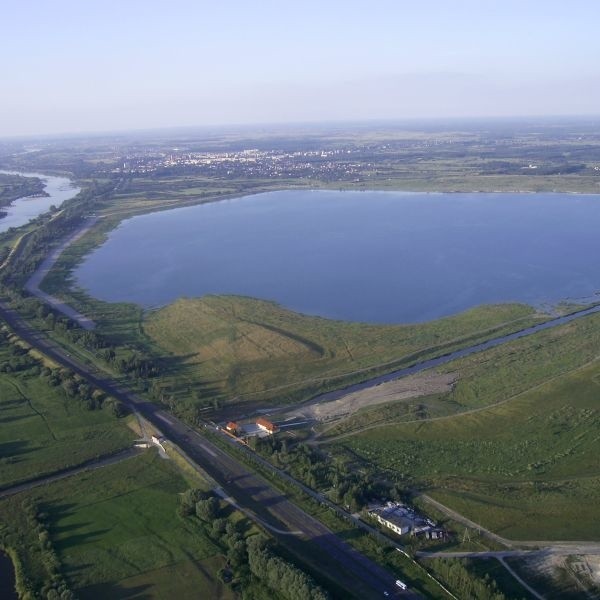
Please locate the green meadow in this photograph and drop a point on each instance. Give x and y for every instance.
(522, 459)
(115, 533)
(43, 430)
(246, 350)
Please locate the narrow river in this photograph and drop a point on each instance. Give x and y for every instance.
(446, 358)
(23, 210)
(7, 578)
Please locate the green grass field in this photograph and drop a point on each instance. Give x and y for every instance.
(116, 534)
(251, 350)
(112, 532)
(520, 467)
(42, 430)
(121, 523)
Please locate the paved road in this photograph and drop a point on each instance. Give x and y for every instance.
(271, 506)
(360, 576)
(89, 465)
(33, 283)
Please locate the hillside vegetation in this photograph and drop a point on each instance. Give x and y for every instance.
(237, 348)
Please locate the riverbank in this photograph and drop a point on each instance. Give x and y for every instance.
(24, 209)
(14, 186)
(275, 354)
(297, 356)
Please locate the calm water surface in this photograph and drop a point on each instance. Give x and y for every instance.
(386, 257)
(7, 578)
(23, 210)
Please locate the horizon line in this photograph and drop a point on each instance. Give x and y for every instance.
(406, 121)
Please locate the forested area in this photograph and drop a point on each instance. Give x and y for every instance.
(251, 558)
(13, 187)
(455, 574)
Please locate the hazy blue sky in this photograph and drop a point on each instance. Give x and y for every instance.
(87, 65)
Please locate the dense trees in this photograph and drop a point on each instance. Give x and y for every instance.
(279, 574)
(128, 361)
(250, 559)
(207, 509)
(13, 187)
(55, 586)
(350, 487)
(75, 387)
(457, 577)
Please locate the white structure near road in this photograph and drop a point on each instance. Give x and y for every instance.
(402, 519)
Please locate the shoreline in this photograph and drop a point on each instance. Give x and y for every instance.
(35, 283)
(57, 189)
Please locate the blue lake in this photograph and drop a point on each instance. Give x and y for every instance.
(385, 257)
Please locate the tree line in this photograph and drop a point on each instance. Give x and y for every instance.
(19, 360)
(249, 559)
(51, 228)
(352, 488)
(465, 584)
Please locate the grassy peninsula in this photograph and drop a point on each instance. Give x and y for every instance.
(238, 349)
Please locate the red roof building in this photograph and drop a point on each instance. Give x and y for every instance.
(232, 426)
(266, 425)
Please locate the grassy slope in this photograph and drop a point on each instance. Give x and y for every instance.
(257, 350)
(521, 466)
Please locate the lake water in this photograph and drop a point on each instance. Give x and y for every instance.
(383, 257)
(23, 210)
(7, 578)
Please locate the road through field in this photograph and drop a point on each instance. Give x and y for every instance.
(358, 575)
(89, 465)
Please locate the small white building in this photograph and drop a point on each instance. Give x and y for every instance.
(396, 523)
(158, 441)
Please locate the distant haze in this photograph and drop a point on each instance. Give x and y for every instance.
(72, 66)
